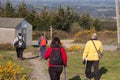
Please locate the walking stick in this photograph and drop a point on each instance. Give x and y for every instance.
(64, 73)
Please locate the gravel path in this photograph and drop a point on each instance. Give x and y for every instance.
(39, 67)
(68, 43)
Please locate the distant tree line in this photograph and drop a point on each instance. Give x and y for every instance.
(61, 19)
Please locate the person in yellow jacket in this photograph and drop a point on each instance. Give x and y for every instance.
(90, 55)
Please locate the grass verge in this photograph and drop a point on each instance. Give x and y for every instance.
(11, 56)
(109, 66)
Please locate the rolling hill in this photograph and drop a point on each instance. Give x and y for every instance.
(96, 8)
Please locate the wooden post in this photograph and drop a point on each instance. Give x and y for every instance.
(51, 32)
(44, 34)
(118, 22)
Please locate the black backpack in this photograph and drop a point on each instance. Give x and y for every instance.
(16, 44)
(56, 57)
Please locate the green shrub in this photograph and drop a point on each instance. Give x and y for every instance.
(59, 33)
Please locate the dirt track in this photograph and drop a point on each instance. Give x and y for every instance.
(39, 67)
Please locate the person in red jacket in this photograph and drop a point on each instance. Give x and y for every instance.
(55, 70)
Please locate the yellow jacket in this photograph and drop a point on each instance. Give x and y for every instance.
(90, 52)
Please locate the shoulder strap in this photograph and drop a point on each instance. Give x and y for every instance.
(94, 46)
(18, 38)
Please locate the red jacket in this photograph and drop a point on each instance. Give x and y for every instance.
(63, 52)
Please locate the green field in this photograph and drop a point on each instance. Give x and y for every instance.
(109, 66)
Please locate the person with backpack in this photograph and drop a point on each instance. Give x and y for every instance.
(91, 57)
(20, 45)
(57, 59)
(42, 42)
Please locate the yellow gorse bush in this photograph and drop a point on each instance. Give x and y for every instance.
(10, 71)
(84, 35)
(107, 34)
(74, 48)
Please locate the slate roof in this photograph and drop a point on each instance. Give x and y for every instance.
(10, 22)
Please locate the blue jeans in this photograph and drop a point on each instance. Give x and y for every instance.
(42, 51)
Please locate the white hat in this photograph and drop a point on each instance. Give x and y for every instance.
(94, 36)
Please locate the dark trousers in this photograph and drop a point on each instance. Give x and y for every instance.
(19, 52)
(95, 65)
(55, 72)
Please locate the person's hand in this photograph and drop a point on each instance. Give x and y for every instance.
(84, 61)
(65, 65)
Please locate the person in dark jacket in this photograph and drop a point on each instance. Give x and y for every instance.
(56, 70)
(19, 45)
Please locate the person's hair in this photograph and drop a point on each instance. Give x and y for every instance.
(94, 36)
(42, 34)
(19, 34)
(55, 42)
